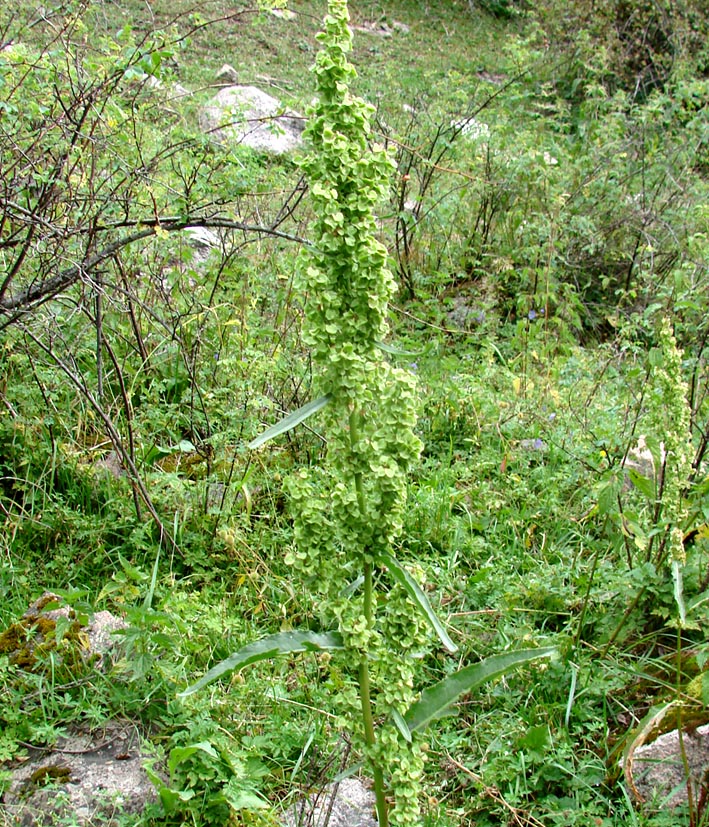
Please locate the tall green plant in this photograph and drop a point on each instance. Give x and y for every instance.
(348, 512)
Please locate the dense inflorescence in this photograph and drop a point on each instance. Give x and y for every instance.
(349, 511)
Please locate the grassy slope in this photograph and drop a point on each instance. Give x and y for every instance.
(443, 39)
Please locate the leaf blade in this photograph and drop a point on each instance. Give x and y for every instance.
(645, 485)
(401, 725)
(437, 698)
(282, 643)
(289, 422)
(418, 596)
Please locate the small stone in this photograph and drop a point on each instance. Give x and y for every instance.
(227, 75)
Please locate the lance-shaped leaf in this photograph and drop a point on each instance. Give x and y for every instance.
(418, 596)
(436, 699)
(283, 643)
(401, 725)
(396, 352)
(289, 422)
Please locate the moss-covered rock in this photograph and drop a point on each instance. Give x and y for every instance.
(52, 632)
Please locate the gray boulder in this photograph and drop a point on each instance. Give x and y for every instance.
(249, 116)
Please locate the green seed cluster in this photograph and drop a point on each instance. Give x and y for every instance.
(670, 418)
(349, 511)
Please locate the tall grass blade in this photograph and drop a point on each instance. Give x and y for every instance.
(148, 602)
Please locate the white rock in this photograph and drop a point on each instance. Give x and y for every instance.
(472, 129)
(202, 238)
(249, 116)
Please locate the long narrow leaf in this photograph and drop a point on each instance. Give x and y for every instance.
(401, 725)
(289, 422)
(396, 352)
(418, 596)
(283, 643)
(436, 699)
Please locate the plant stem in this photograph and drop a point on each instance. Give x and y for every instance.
(366, 701)
(364, 682)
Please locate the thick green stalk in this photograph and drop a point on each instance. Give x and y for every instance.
(366, 701)
(365, 695)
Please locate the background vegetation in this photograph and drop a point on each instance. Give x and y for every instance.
(549, 211)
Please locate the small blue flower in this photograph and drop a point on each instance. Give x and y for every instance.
(532, 315)
(539, 444)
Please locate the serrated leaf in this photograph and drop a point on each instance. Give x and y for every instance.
(644, 485)
(283, 643)
(418, 596)
(435, 700)
(608, 496)
(180, 754)
(289, 422)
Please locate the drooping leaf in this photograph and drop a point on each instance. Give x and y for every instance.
(435, 700)
(401, 725)
(353, 587)
(289, 422)
(353, 769)
(418, 596)
(283, 643)
(239, 797)
(608, 495)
